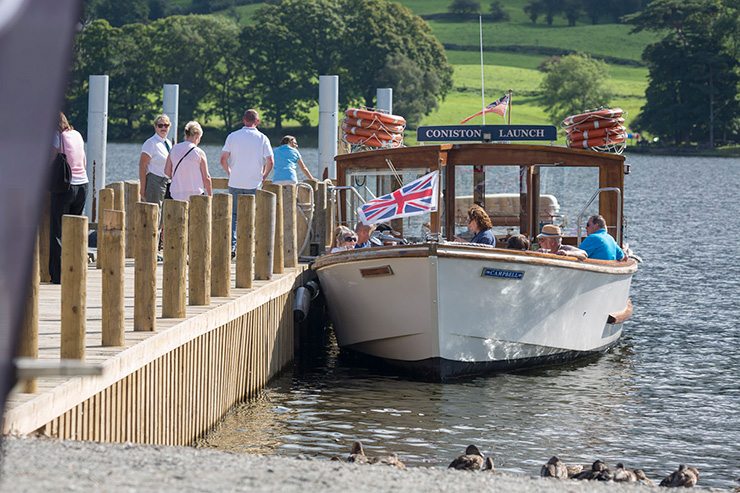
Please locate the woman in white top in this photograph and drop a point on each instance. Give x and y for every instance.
(187, 166)
(153, 157)
(67, 141)
(344, 239)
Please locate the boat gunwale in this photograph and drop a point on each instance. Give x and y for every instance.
(450, 250)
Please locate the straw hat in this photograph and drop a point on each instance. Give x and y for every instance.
(550, 231)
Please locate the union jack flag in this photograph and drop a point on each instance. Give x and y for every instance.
(418, 197)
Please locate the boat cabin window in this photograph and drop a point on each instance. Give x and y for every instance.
(370, 184)
(573, 186)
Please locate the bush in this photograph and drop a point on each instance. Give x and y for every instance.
(498, 14)
(463, 7)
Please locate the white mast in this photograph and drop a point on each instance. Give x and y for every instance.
(482, 80)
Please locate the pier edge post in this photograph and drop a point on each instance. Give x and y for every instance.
(28, 344)
(174, 267)
(112, 226)
(199, 241)
(245, 221)
(264, 241)
(278, 264)
(105, 202)
(74, 286)
(131, 197)
(221, 245)
(145, 269)
(289, 226)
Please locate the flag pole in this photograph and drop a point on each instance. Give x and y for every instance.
(508, 113)
(482, 80)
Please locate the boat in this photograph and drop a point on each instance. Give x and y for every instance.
(437, 309)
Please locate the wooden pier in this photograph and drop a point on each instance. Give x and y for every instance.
(187, 355)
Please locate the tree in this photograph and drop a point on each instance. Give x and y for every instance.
(572, 11)
(498, 14)
(573, 84)
(378, 30)
(693, 70)
(464, 7)
(119, 13)
(533, 10)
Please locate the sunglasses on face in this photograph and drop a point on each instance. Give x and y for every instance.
(163, 125)
(350, 238)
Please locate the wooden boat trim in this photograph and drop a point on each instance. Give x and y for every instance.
(473, 252)
(621, 317)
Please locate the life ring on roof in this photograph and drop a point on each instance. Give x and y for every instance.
(598, 132)
(606, 140)
(375, 115)
(374, 124)
(370, 141)
(368, 132)
(590, 116)
(605, 123)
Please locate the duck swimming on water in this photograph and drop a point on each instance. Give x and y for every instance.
(472, 460)
(554, 469)
(684, 477)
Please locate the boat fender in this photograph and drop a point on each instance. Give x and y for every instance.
(301, 304)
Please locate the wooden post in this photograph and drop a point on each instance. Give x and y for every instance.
(119, 202)
(145, 272)
(278, 266)
(28, 345)
(105, 202)
(319, 217)
(44, 232)
(199, 240)
(290, 235)
(264, 244)
(112, 226)
(221, 245)
(131, 194)
(74, 286)
(304, 197)
(175, 258)
(245, 220)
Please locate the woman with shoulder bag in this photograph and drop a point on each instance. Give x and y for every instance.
(187, 166)
(71, 200)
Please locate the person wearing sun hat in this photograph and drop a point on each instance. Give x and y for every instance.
(551, 241)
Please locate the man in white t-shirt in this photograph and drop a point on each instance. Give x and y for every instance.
(247, 159)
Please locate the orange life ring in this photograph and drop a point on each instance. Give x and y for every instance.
(374, 124)
(375, 115)
(598, 132)
(590, 116)
(598, 141)
(366, 132)
(605, 123)
(370, 141)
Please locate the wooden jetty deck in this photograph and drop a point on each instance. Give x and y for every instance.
(177, 380)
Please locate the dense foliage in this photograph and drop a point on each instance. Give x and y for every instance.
(273, 64)
(574, 84)
(692, 94)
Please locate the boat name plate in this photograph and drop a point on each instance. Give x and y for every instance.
(502, 273)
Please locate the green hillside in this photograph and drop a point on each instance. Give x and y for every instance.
(513, 51)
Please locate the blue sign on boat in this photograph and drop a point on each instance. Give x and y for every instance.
(502, 273)
(486, 133)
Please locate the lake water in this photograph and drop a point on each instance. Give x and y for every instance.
(669, 393)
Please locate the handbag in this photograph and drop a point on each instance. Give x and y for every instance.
(167, 194)
(61, 173)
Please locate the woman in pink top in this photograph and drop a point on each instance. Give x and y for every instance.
(67, 141)
(187, 166)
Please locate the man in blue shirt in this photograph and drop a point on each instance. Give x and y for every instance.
(599, 244)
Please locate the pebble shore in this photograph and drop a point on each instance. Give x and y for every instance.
(44, 465)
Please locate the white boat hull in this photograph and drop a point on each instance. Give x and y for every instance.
(438, 315)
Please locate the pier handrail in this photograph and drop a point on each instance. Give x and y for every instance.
(619, 212)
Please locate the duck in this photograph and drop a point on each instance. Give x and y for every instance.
(684, 477)
(599, 471)
(472, 460)
(574, 470)
(389, 460)
(554, 469)
(622, 475)
(357, 454)
(642, 478)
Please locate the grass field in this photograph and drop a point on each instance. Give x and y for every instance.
(518, 71)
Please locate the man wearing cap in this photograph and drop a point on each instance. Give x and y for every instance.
(551, 241)
(599, 244)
